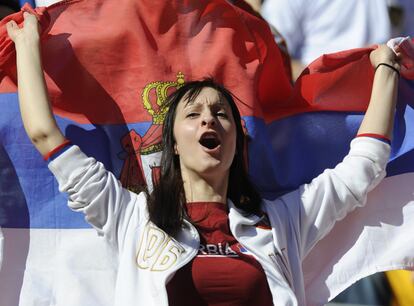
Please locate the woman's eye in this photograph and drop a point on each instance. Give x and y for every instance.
(192, 115)
(221, 114)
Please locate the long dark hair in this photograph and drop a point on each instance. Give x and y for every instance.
(166, 203)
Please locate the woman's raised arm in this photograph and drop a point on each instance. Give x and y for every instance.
(37, 116)
(379, 118)
(336, 192)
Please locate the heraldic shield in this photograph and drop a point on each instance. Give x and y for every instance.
(143, 153)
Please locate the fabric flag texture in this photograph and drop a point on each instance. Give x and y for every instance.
(31, 2)
(109, 66)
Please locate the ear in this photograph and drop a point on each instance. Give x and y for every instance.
(176, 149)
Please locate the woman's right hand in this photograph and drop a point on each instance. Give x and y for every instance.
(35, 108)
(28, 34)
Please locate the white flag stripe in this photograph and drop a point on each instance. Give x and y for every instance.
(377, 237)
(62, 267)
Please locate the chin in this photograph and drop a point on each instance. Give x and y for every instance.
(212, 169)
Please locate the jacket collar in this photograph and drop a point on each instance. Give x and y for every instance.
(240, 217)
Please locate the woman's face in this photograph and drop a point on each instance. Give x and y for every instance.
(205, 134)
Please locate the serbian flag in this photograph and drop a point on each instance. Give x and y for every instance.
(109, 66)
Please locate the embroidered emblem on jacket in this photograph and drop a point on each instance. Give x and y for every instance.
(156, 250)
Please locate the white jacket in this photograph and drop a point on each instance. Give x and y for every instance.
(148, 257)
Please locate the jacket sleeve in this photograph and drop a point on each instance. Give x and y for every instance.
(336, 192)
(96, 192)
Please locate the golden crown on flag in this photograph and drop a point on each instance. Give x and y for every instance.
(161, 93)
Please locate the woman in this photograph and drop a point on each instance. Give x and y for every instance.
(204, 221)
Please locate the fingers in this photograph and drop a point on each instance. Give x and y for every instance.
(12, 29)
(12, 25)
(398, 53)
(29, 31)
(31, 25)
(397, 49)
(29, 19)
(384, 54)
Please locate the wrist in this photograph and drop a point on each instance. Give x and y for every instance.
(28, 51)
(27, 43)
(391, 67)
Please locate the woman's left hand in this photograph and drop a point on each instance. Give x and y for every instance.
(379, 117)
(384, 54)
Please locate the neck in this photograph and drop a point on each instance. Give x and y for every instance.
(205, 189)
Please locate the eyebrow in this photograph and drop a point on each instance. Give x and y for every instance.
(192, 103)
(218, 101)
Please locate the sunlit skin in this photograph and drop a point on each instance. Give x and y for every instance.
(204, 170)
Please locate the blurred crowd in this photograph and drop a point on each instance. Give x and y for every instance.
(311, 28)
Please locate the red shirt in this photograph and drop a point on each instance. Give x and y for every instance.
(223, 272)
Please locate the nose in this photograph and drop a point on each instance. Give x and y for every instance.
(208, 120)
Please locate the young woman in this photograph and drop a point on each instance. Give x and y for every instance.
(204, 236)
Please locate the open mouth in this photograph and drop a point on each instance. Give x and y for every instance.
(209, 141)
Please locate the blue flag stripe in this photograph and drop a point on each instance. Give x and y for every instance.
(31, 2)
(299, 147)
